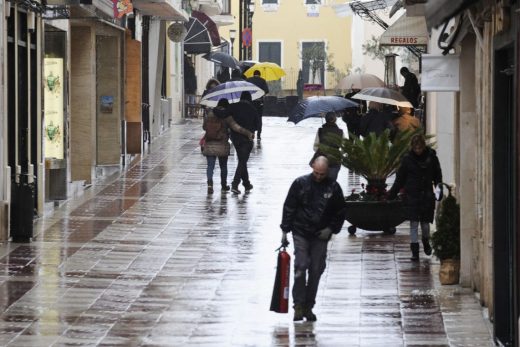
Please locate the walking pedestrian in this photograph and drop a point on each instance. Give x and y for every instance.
(217, 124)
(405, 120)
(376, 120)
(313, 210)
(419, 173)
(328, 135)
(212, 83)
(411, 89)
(258, 81)
(245, 114)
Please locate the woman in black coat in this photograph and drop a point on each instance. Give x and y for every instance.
(419, 173)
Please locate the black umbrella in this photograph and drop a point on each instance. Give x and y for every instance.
(223, 59)
(314, 106)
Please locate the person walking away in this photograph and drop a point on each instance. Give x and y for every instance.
(314, 209)
(411, 89)
(236, 75)
(217, 124)
(352, 119)
(328, 135)
(375, 121)
(258, 81)
(212, 83)
(245, 114)
(419, 173)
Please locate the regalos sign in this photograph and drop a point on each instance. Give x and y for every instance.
(406, 31)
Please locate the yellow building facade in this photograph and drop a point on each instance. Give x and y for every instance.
(283, 29)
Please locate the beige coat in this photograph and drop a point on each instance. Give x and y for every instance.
(221, 148)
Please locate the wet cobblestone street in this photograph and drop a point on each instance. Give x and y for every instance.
(149, 259)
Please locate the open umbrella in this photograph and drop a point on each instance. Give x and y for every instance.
(360, 81)
(223, 59)
(314, 106)
(246, 64)
(383, 96)
(230, 90)
(268, 71)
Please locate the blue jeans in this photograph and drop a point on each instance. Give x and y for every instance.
(414, 230)
(222, 163)
(309, 263)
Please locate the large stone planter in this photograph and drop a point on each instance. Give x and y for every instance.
(375, 215)
(449, 271)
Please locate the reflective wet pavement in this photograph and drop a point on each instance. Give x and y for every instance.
(149, 259)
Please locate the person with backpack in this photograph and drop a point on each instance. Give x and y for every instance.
(217, 124)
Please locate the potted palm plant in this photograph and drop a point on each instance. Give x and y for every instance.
(375, 158)
(445, 240)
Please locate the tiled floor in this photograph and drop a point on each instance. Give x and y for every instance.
(149, 259)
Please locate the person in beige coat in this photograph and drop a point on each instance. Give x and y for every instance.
(217, 124)
(405, 120)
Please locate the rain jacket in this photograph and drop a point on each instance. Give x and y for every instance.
(221, 148)
(311, 206)
(418, 175)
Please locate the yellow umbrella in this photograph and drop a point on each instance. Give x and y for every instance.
(268, 71)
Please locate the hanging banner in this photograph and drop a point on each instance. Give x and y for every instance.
(122, 7)
(440, 73)
(53, 111)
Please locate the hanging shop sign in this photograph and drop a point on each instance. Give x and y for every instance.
(53, 111)
(440, 73)
(122, 7)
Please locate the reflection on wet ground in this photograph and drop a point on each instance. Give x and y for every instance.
(150, 259)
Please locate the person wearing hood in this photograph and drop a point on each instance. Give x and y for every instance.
(419, 173)
(245, 114)
(217, 124)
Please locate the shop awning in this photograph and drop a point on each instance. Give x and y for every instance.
(406, 31)
(438, 11)
(202, 34)
(163, 9)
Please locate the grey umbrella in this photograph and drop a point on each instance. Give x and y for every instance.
(223, 59)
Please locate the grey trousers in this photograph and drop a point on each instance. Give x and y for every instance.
(309, 263)
(414, 230)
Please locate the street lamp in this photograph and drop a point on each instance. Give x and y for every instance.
(232, 35)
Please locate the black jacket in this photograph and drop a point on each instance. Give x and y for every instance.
(418, 175)
(411, 89)
(311, 206)
(375, 122)
(325, 136)
(246, 115)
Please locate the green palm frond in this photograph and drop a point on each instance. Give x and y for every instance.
(372, 157)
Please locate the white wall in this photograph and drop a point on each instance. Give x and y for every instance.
(176, 80)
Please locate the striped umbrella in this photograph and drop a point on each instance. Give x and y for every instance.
(230, 90)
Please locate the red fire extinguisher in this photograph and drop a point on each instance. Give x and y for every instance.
(280, 297)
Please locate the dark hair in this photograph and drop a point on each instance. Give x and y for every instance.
(256, 73)
(223, 102)
(418, 140)
(210, 82)
(246, 96)
(330, 117)
(404, 69)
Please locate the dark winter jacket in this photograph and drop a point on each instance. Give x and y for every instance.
(418, 175)
(259, 82)
(375, 122)
(311, 206)
(323, 136)
(246, 115)
(411, 89)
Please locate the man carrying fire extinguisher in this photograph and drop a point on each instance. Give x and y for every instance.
(313, 210)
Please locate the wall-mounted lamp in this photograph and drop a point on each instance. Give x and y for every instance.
(251, 7)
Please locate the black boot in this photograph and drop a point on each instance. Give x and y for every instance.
(414, 246)
(210, 187)
(426, 246)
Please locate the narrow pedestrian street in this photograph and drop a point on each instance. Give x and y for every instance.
(147, 258)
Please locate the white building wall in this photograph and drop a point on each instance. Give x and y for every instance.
(176, 76)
